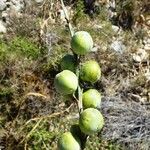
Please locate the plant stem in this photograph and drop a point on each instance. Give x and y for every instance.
(67, 18)
(79, 90)
(78, 97)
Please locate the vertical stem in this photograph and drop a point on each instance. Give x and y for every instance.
(79, 90)
(67, 18)
(77, 57)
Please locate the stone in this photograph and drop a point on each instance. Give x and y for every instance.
(98, 27)
(140, 56)
(148, 41)
(18, 7)
(95, 48)
(118, 46)
(4, 14)
(62, 16)
(147, 47)
(2, 27)
(38, 1)
(115, 28)
(2, 5)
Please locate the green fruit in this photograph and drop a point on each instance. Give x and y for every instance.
(81, 43)
(68, 62)
(68, 142)
(66, 82)
(75, 130)
(90, 71)
(91, 121)
(91, 99)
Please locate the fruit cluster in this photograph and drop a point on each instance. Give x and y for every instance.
(67, 82)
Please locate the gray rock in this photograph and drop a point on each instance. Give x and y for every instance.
(9, 4)
(38, 1)
(115, 28)
(2, 5)
(147, 75)
(118, 46)
(147, 47)
(2, 27)
(146, 40)
(5, 14)
(98, 27)
(140, 56)
(17, 7)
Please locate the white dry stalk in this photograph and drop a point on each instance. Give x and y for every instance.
(67, 18)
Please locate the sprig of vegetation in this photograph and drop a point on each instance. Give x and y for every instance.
(67, 82)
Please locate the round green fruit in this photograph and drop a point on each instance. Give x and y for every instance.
(68, 142)
(66, 82)
(76, 131)
(81, 43)
(90, 71)
(68, 62)
(91, 121)
(91, 99)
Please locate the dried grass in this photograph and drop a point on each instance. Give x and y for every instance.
(126, 122)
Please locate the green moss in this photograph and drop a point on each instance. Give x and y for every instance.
(3, 50)
(98, 144)
(6, 93)
(24, 47)
(19, 47)
(40, 139)
(54, 59)
(79, 12)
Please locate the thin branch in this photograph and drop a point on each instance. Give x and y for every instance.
(79, 90)
(46, 116)
(28, 135)
(67, 18)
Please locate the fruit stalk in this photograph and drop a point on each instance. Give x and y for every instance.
(77, 97)
(67, 18)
